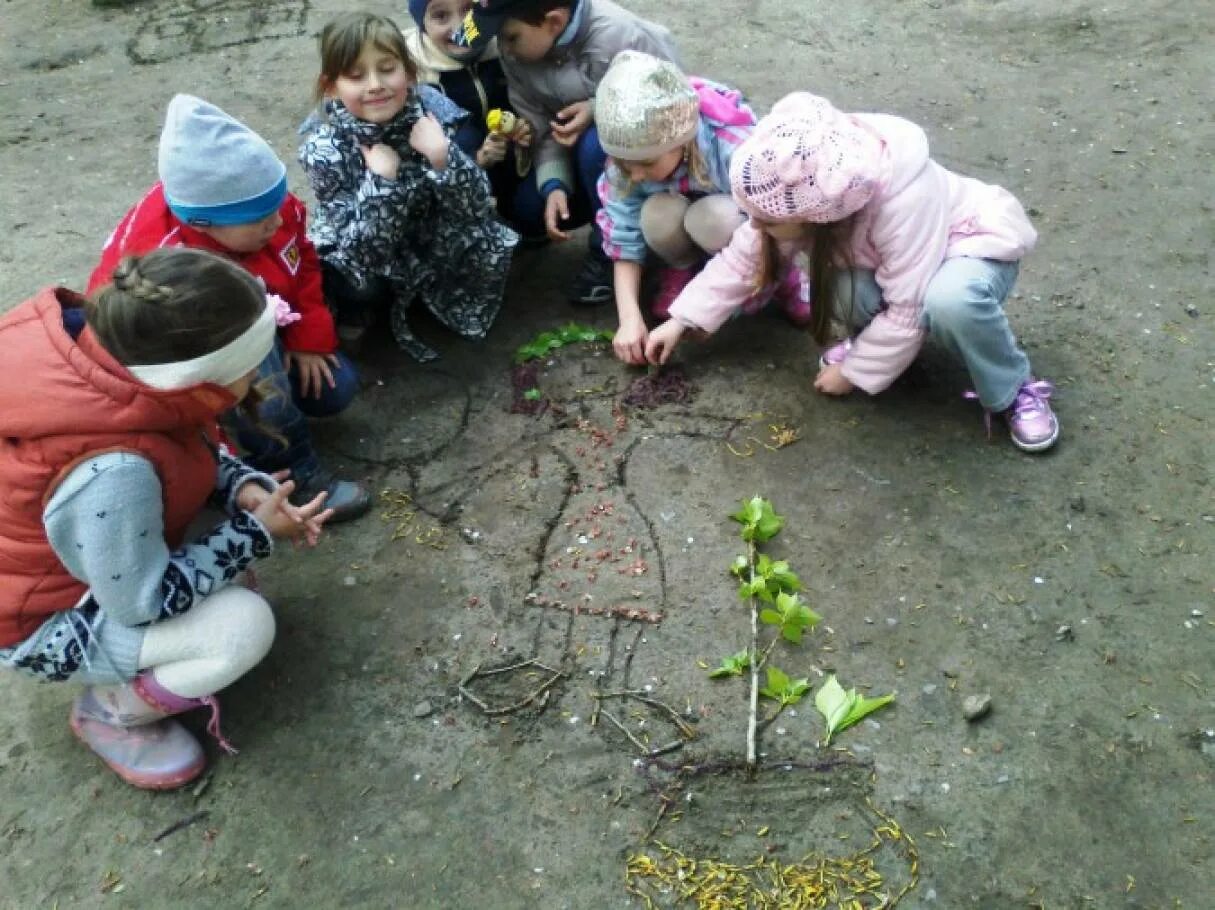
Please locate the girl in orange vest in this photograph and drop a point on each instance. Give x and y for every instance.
(108, 453)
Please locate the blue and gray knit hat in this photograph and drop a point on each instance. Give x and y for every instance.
(215, 170)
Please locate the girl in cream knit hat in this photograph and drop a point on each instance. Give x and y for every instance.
(666, 187)
(900, 248)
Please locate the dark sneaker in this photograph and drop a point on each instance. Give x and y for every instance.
(348, 499)
(593, 286)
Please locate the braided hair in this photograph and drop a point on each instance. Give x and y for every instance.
(173, 304)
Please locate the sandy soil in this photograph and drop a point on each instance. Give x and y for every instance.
(1076, 589)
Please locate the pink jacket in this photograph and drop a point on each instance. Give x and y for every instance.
(921, 215)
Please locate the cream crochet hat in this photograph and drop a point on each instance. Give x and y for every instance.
(644, 107)
(806, 161)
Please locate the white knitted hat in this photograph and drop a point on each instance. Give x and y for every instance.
(644, 107)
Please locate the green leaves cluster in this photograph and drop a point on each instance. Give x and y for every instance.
(547, 342)
(759, 520)
(842, 709)
(772, 582)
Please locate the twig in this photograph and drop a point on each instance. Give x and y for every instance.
(542, 692)
(641, 747)
(662, 811)
(754, 666)
(684, 727)
(181, 823)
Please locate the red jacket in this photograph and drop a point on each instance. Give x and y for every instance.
(63, 401)
(288, 263)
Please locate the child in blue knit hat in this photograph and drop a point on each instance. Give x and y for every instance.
(222, 189)
(473, 78)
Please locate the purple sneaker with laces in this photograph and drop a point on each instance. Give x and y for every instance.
(1031, 422)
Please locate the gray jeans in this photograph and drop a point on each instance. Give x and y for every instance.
(964, 310)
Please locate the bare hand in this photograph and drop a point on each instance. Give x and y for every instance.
(299, 524)
(832, 381)
(492, 150)
(663, 341)
(629, 342)
(381, 159)
(572, 121)
(314, 369)
(428, 139)
(524, 134)
(556, 210)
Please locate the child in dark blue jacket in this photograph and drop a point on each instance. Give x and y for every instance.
(474, 80)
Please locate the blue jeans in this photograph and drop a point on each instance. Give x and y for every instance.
(963, 309)
(285, 411)
(589, 159)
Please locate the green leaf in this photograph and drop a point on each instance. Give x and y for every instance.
(782, 688)
(532, 395)
(760, 522)
(770, 617)
(842, 709)
(734, 665)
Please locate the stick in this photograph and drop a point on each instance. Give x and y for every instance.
(182, 823)
(542, 690)
(641, 747)
(754, 667)
(640, 695)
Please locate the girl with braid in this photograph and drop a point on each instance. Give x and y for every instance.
(107, 455)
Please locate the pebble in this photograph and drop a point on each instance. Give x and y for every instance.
(423, 709)
(976, 706)
(1065, 633)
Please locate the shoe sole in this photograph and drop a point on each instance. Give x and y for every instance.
(598, 297)
(142, 782)
(1036, 446)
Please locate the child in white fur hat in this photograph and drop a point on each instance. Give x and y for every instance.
(666, 187)
(901, 250)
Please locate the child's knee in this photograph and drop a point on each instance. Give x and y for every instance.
(712, 221)
(244, 623)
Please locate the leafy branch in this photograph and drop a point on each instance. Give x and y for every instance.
(770, 588)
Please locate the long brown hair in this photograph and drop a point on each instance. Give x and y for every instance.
(343, 40)
(826, 245)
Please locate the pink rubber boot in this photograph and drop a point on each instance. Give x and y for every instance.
(671, 283)
(131, 730)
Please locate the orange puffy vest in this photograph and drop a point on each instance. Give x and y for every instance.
(62, 401)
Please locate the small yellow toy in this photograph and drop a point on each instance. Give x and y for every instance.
(503, 123)
(511, 126)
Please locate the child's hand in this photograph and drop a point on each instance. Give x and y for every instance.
(428, 139)
(492, 150)
(556, 210)
(629, 342)
(663, 341)
(832, 381)
(572, 121)
(381, 159)
(299, 524)
(313, 369)
(523, 134)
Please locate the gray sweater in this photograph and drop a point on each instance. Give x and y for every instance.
(105, 522)
(572, 71)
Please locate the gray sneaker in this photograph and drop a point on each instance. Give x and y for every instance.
(347, 498)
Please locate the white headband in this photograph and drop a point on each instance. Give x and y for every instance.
(223, 366)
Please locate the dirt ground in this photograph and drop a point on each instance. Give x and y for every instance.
(1075, 589)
